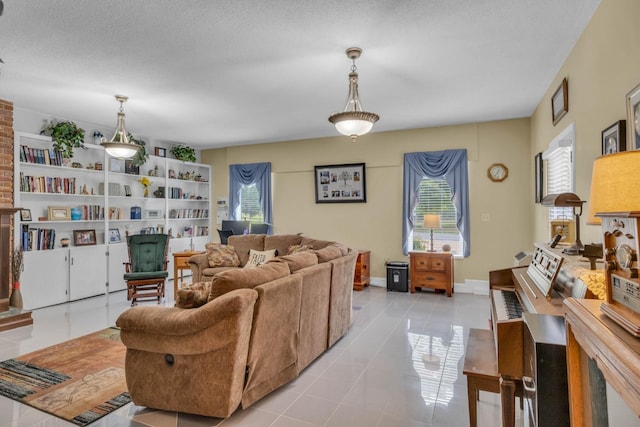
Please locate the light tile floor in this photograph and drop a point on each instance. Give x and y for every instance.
(400, 364)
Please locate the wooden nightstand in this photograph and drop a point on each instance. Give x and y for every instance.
(431, 270)
(361, 277)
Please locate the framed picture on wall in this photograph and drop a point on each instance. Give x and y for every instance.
(539, 178)
(340, 183)
(633, 119)
(614, 138)
(560, 102)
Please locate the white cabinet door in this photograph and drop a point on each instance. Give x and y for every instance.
(45, 278)
(118, 255)
(87, 271)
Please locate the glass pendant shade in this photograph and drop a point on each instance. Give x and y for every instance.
(120, 146)
(353, 121)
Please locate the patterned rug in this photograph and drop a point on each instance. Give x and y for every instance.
(80, 380)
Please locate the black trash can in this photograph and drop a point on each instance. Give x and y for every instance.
(398, 276)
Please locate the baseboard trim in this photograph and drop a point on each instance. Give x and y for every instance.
(470, 286)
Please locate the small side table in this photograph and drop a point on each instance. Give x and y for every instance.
(361, 276)
(181, 262)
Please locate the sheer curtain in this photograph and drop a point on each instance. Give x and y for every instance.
(247, 174)
(448, 164)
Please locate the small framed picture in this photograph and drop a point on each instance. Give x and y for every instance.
(560, 101)
(153, 213)
(160, 152)
(130, 168)
(59, 213)
(539, 188)
(84, 237)
(114, 235)
(115, 165)
(127, 190)
(172, 174)
(25, 214)
(633, 119)
(614, 138)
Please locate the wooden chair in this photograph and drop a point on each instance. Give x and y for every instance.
(146, 271)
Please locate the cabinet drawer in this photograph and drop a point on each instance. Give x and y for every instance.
(430, 278)
(182, 262)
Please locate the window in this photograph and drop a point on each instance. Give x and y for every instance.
(250, 193)
(250, 209)
(560, 175)
(434, 197)
(436, 180)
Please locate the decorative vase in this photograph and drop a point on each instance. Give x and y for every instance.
(16, 296)
(146, 192)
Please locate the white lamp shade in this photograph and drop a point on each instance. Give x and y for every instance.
(432, 221)
(354, 127)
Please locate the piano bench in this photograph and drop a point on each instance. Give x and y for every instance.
(481, 369)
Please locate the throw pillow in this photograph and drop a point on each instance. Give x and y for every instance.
(221, 255)
(238, 278)
(192, 296)
(328, 253)
(295, 249)
(257, 258)
(299, 261)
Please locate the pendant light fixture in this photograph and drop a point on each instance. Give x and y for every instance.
(353, 121)
(120, 146)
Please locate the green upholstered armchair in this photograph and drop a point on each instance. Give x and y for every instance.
(146, 271)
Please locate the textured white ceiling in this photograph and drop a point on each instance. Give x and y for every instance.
(214, 73)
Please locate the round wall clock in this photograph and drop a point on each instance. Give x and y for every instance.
(497, 172)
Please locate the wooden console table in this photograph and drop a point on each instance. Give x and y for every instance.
(593, 338)
(431, 270)
(181, 262)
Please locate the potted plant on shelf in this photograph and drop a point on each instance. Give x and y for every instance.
(184, 153)
(141, 156)
(66, 136)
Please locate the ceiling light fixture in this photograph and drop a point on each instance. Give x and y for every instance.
(120, 146)
(353, 121)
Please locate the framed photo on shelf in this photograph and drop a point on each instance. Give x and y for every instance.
(560, 102)
(25, 214)
(127, 190)
(114, 235)
(160, 152)
(85, 237)
(340, 183)
(614, 138)
(115, 165)
(633, 119)
(539, 176)
(172, 174)
(130, 168)
(59, 213)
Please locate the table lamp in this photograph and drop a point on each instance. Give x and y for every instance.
(615, 186)
(573, 201)
(432, 221)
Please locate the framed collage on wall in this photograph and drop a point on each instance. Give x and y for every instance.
(340, 183)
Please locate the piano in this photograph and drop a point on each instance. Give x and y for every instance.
(540, 288)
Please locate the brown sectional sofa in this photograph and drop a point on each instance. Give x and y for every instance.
(261, 327)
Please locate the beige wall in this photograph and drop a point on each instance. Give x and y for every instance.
(376, 225)
(601, 69)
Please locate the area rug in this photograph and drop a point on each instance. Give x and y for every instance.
(80, 380)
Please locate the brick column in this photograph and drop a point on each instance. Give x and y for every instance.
(6, 201)
(6, 154)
